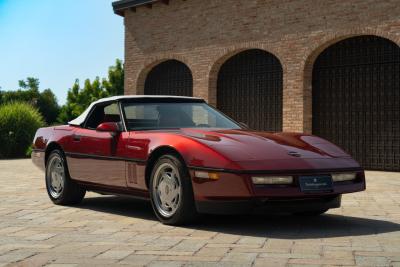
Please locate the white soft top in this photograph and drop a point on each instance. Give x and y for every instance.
(81, 118)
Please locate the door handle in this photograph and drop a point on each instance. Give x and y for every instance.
(76, 138)
(133, 147)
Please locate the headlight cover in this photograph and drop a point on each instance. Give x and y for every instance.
(341, 177)
(282, 180)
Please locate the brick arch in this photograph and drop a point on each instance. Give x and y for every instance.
(223, 55)
(267, 73)
(150, 63)
(313, 51)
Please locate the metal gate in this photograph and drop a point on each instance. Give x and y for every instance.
(356, 99)
(249, 89)
(170, 77)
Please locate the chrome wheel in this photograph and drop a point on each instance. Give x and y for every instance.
(166, 189)
(55, 176)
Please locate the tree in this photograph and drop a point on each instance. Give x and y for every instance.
(48, 106)
(115, 83)
(30, 84)
(78, 99)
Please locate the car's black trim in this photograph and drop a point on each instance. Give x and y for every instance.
(259, 205)
(112, 189)
(157, 100)
(38, 150)
(286, 171)
(83, 155)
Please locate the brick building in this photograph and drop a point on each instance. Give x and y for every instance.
(329, 67)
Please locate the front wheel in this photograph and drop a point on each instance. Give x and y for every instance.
(60, 188)
(171, 191)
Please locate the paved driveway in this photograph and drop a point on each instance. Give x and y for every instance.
(107, 230)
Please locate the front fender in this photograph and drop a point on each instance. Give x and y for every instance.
(193, 152)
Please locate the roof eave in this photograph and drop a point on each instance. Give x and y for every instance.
(120, 6)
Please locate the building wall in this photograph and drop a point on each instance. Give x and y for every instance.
(205, 33)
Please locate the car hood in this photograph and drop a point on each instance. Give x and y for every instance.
(245, 145)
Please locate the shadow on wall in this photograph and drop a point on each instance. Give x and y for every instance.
(284, 227)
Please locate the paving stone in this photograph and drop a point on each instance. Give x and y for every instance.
(163, 252)
(138, 260)
(365, 231)
(306, 249)
(240, 257)
(61, 265)
(289, 256)
(40, 237)
(15, 256)
(189, 258)
(171, 263)
(252, 240)
(189, 245)
(270, 262)
(224, 238)
(322, 261)
(213, 251)
(337, 254)
(114, 254)
(372, 261)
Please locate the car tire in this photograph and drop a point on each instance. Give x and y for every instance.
(311, 212)
(171, 192)
(60, 188)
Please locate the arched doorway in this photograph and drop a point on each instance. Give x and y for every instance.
(249, 89)
(356, 99)
(170, 77)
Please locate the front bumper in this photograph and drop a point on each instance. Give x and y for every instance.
(235, 193)
(260, 205)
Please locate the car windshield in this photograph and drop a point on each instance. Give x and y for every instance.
(151, 116)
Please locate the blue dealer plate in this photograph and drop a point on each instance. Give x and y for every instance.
(315, 183)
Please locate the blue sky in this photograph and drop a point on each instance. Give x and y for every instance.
(57, 41)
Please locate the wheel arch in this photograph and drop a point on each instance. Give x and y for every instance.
(50, 147)
(155, 155)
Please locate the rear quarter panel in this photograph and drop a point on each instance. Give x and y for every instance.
(45, 137)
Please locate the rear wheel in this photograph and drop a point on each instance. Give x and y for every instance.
(60, 188)
(171, 191)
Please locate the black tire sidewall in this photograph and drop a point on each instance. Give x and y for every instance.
(186, 211)
(72, 192)
(53, 154)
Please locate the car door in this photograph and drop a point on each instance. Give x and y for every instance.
(137, 148)
(99, 157)
(138, 116)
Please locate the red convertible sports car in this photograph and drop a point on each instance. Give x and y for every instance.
(188, 158)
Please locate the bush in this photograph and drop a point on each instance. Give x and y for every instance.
(45, 101)
(18, 124)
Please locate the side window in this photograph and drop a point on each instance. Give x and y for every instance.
(141, 116)
(103, 113)
(141, 112)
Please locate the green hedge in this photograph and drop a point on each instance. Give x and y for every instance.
(18, 124)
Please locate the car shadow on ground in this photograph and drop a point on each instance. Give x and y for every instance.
(271, 226)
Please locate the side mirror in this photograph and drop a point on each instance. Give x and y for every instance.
(112, 127)
(244, 125)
